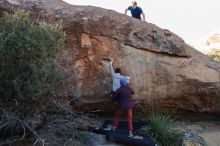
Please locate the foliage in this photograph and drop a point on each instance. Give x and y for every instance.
(26, 48)
(160, 128)
(215, 54)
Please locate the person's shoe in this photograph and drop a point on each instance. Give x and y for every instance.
(130, 134)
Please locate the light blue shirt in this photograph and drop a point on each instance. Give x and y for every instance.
(116, 79)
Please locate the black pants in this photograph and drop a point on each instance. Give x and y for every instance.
(113, 96)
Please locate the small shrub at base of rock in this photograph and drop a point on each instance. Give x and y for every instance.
(160, 128)
(191, 138)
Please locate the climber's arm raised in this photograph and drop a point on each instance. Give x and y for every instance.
(126, 11)
(143, 15)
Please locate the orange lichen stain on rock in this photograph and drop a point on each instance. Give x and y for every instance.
(85, 40)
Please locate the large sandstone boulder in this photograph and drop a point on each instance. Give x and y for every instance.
(163, 68)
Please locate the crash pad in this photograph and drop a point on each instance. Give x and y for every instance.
(121, 133)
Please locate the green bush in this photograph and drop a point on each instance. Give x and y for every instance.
(160, 128)
(26, 51)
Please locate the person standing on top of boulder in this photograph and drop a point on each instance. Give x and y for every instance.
(135, 11)
(116, 76)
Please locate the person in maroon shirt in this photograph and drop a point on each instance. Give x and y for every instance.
(124, 104)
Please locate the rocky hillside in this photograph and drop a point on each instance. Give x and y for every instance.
(162, 67)
(209, 43)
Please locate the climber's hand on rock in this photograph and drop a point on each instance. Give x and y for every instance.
(111, 60)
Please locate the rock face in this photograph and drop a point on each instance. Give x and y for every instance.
(163, 69)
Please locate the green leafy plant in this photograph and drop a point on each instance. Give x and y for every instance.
(27, 70)
(160, 127)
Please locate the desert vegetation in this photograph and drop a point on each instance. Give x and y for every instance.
(27, 74)
(215, 54)
(161, 128)
(26, 48)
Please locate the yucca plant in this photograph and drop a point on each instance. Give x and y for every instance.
(160, 128)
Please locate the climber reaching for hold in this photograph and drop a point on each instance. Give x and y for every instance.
(116, 76)
(136, 11)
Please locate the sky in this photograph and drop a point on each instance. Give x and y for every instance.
(192, 20)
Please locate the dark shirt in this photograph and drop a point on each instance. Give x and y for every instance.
(124, 98)
(136, 13)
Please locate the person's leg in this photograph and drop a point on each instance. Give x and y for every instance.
(117, 118)
(112, 95)
(129, 120)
